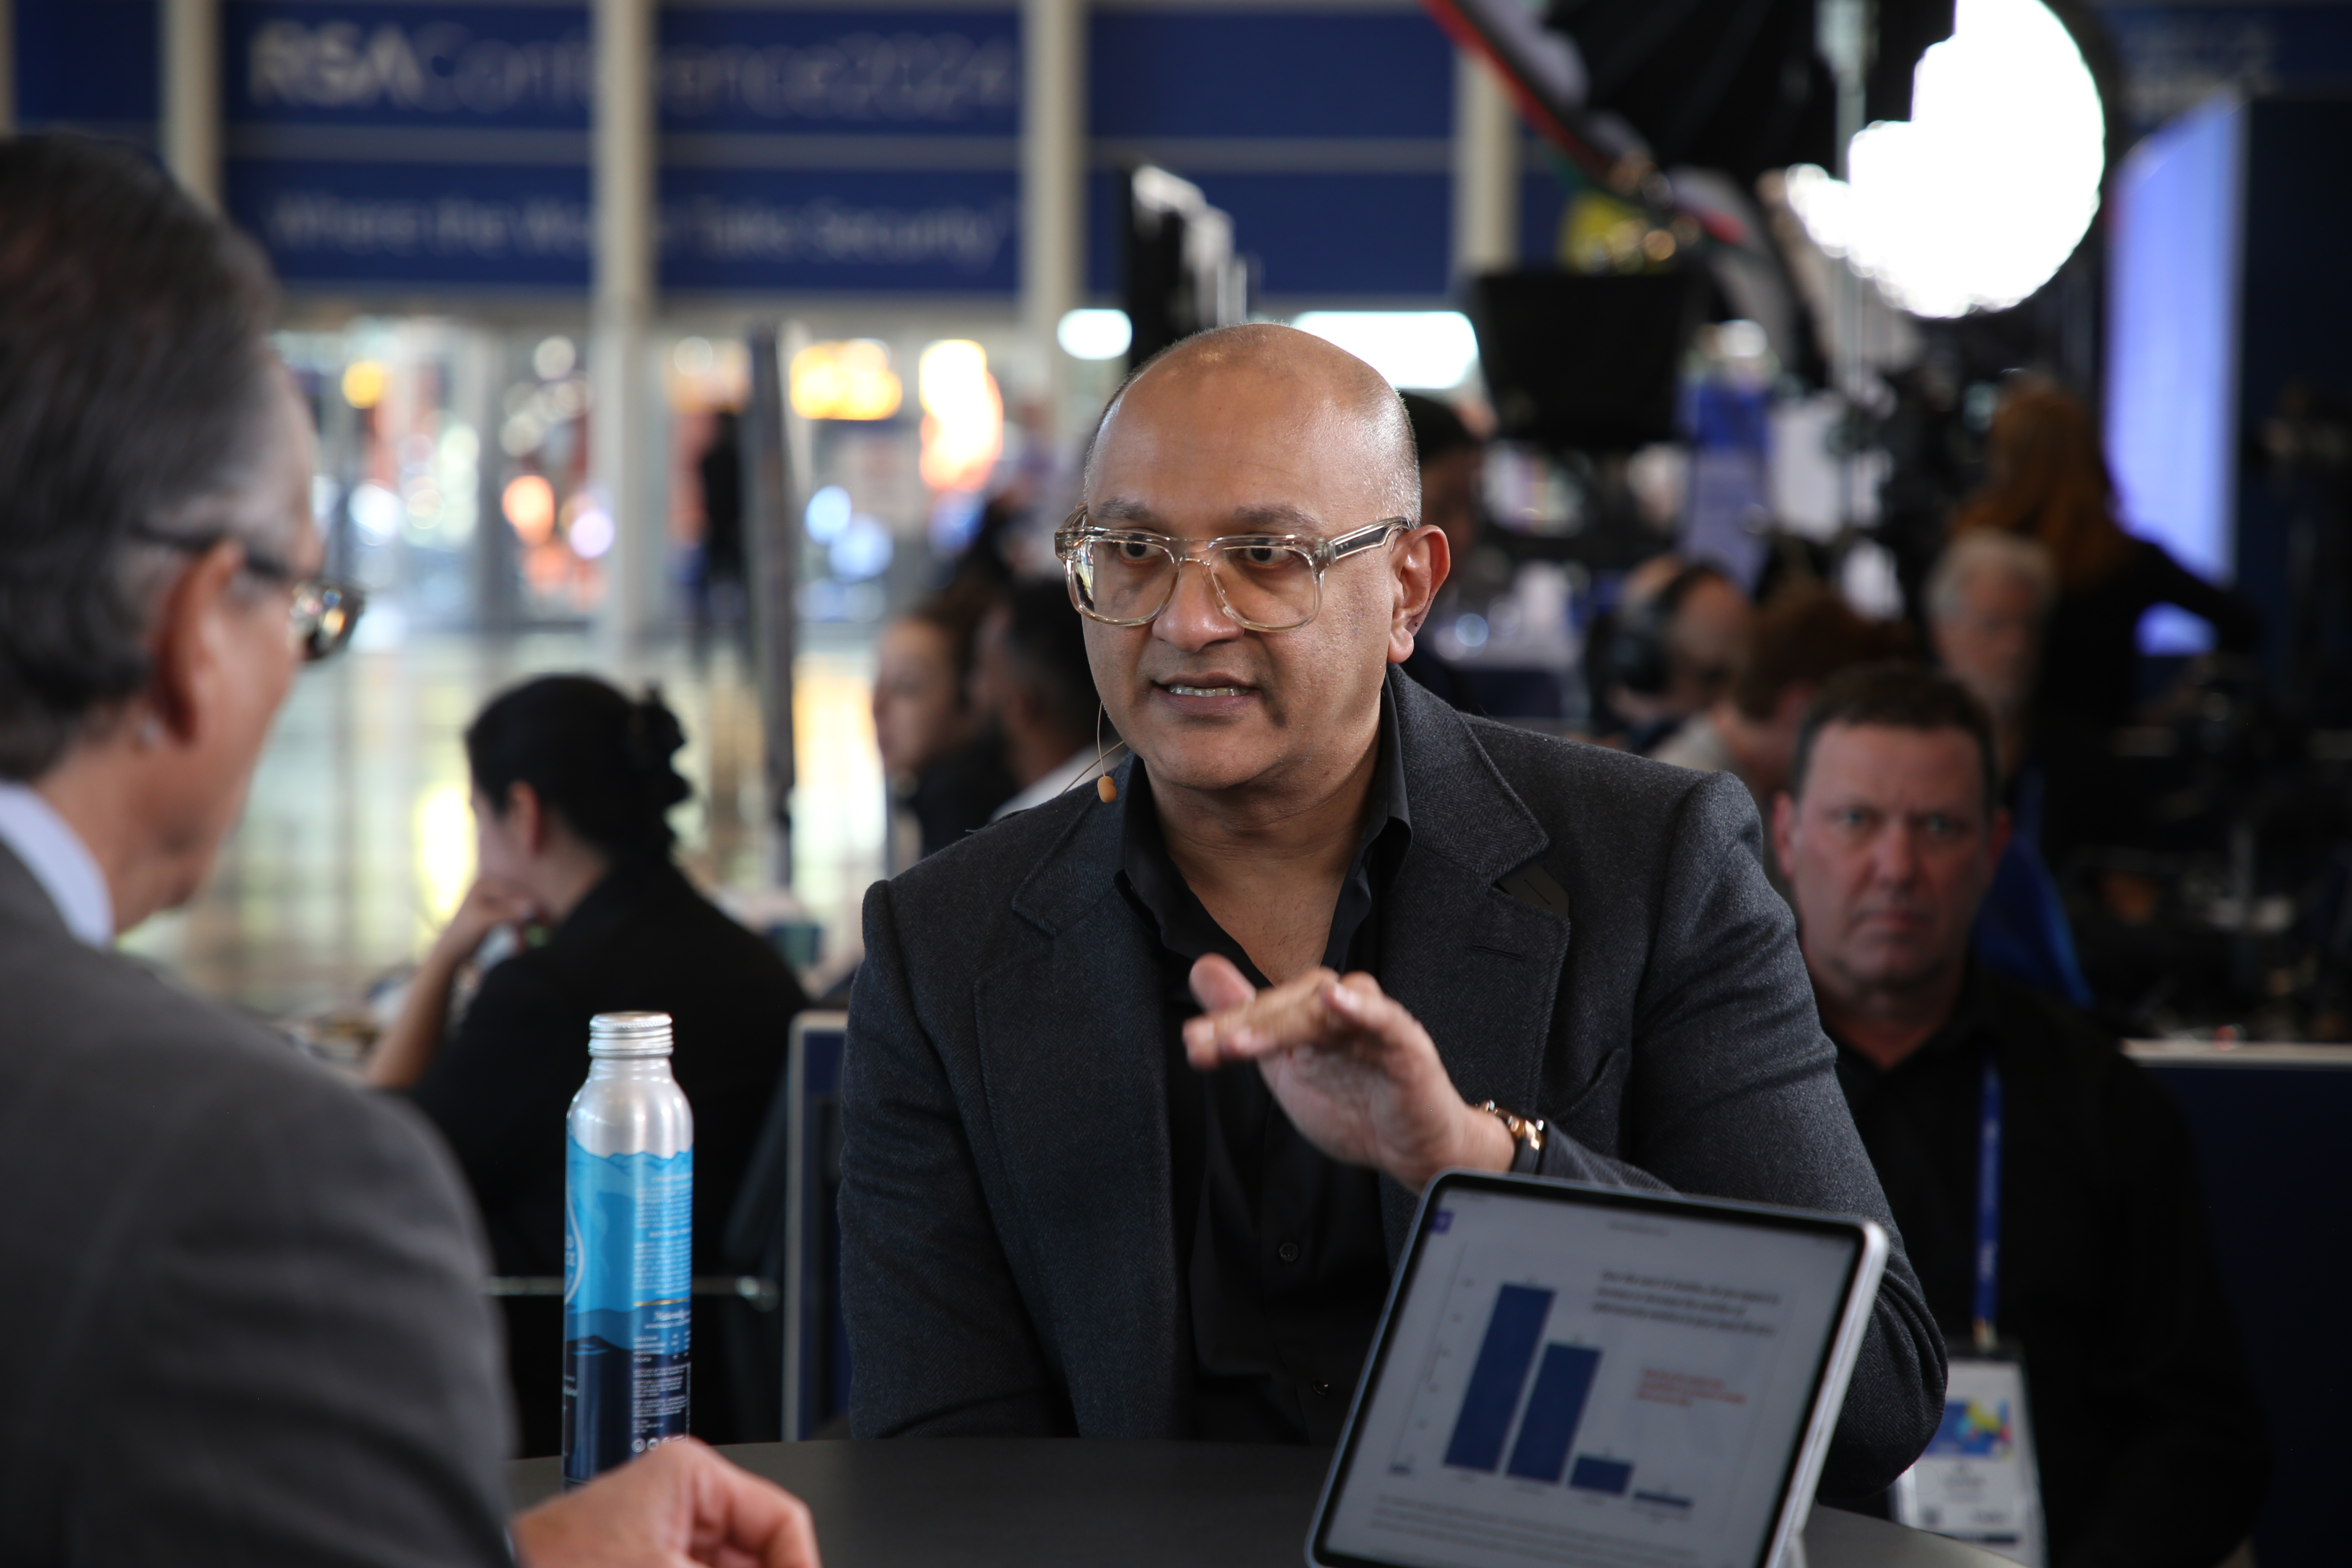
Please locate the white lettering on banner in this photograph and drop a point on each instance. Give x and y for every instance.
(312, 222)
(909, 76)
(966, 238)
(824, 231)
(439, 68)
(443, 68)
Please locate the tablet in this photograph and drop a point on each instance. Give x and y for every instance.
(1587, 1377)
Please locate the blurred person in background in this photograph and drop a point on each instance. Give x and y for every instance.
(2149, 1441)
(1789, 648)
(573, 786)
(946, 769)
(1449, 458)
(1664, 654)
(2047, 480)
(244, 1321)
(1988, 598)
(1032, 679)
(721, 594)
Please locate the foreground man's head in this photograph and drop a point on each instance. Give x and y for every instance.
(155, 511)
(1260, 430)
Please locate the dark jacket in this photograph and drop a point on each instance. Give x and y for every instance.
(2090, 656)
(2145, 1422)
(501, 1089)
(1009, 1250)
(242, 1321)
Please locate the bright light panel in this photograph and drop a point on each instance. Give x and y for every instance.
(1978, 198)
(1094, 334)
(849, 379)
(1431, 349)
(963, 415)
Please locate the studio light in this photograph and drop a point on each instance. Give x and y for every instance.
(1094, 334)
(1977, 199)
(1434, 350)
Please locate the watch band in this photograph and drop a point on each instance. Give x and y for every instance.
(1526, 1136)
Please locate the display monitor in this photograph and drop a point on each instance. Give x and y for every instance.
(1592, 362)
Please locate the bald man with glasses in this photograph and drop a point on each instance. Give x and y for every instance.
(1142, 1085)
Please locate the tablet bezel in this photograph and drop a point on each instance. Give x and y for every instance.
(1831, 1370)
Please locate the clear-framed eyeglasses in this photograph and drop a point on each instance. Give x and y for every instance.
(324, 612)
(1267, 582)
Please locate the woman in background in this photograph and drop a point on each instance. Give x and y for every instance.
(572, 788)
(2047, 480)
(945, 764)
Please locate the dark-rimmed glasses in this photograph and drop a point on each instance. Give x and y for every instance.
(323, 613)
(1267, 582)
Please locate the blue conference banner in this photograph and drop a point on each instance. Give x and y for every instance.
(312, 62)
(864, 231)
(471, 226)
(849, 71)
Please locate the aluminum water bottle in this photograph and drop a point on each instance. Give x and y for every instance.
(628, 1248)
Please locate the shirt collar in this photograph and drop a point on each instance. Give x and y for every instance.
(59, 861)
(1970, 1019)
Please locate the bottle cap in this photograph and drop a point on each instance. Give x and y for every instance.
(629, 1035)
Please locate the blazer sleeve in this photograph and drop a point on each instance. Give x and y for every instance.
(941, 1341)
(1732, 1092)
(304, 1367)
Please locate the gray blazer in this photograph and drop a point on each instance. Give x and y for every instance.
(242, 1320)
(1008, 1241)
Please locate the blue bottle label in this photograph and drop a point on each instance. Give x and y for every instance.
(628, 1279)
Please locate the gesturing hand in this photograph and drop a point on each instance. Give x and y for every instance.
(680, 1504)
(1355, 1072)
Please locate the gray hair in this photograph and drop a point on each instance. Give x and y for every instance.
(134, 388)
(1982, 550)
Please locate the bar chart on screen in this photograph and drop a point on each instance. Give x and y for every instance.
(1610, 1389)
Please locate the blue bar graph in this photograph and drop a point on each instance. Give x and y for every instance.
(1496, 1377)
(1554, 1409)
(1593, 1474)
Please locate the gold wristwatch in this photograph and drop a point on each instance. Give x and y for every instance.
(1526, 1138)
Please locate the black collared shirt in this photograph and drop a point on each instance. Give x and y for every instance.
(2149, 1441)
(1283, 1249)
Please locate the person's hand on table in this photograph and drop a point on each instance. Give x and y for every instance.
(679, 1504)
(1355, 1072)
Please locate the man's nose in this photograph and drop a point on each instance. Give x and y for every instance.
(1895, 857)
(1193, 619)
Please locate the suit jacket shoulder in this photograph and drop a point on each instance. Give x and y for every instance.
(243, 1322)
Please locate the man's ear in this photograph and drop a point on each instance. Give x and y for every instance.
(1422, 561)
(525, 817)
(1784, 828)
(1997, 841)
(181, 643)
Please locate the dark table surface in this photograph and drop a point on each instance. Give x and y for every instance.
(1003, 1503)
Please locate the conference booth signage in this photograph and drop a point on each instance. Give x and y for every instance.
(835, 151)
(431, 147)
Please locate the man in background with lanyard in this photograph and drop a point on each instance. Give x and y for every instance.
(2099, 1411)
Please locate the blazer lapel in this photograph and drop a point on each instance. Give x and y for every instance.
(1477, 964)
(1072, 1038)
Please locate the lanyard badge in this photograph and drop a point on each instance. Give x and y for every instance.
(1979, 1481)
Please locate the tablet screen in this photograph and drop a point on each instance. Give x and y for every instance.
(1567, 1381)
